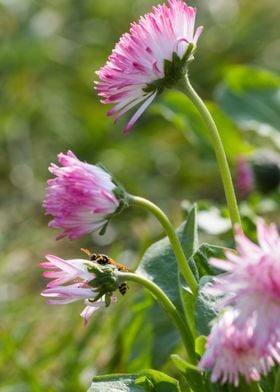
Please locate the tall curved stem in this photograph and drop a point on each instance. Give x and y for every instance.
(169, 307)
(186, 87)
(174, 240)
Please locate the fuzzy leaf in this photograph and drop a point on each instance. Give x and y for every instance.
(159, 263)
(251, 97)
(189, 249)
(157, 381)
(174, 108)
(204, 308)
(165, 337)
(202, 255)
(146, 381)
(194, 378)
(116, 383)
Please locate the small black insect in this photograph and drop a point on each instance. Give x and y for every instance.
(105, 260)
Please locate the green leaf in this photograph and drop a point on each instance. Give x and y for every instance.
(271, 381)
(158, 381)
(189, 247)
(190, 238)
(176, 108)
(231, 136)
(242, 77)
(194, 378)
(116, 383)
(137, 335)
(146, 381)
(204, 308)
(189, 308)
(201, 256)
(251, 97)
(148, 336)
(165, 337)
(159, 263)
(200, 343)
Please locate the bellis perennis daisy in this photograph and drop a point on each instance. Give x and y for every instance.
(81, 198)
(252, 283)
(83, 284)
(152, 56)
(231, 352)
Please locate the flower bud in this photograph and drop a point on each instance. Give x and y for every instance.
(82, 197)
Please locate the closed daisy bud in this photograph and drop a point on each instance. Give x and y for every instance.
(151, 57)
(82, 197)
(231, 352)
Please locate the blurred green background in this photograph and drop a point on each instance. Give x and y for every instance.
(49, 52)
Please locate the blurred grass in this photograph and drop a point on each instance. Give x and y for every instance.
(49, 51)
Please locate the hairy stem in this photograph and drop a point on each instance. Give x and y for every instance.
(174, 240)
(169, 307)
(186, 87)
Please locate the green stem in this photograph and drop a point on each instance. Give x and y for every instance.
(170, 309)
(254, 387)
(174, 241)
(186, 87)
(277, 381)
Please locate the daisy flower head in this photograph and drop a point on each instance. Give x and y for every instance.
(75, 280)
(231, 353)
(251, 283)
(151, 57)
(81, 198)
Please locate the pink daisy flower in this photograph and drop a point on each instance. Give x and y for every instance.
(76, 273)
(251, 283)
(65, 271)
(152, 56)
(81, 198)
(231, 353)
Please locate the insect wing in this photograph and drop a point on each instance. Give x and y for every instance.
(121, 267)
(86, 251)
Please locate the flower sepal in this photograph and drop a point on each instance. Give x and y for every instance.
(108, 299)
(120, 194)
(105, 280)
(174, 71)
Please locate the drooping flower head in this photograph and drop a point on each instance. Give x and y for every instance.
(85, 282)
(251, 283)
(231, 352)
(81, 198)
(152, 56)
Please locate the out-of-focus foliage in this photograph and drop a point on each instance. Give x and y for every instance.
(49, 51)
